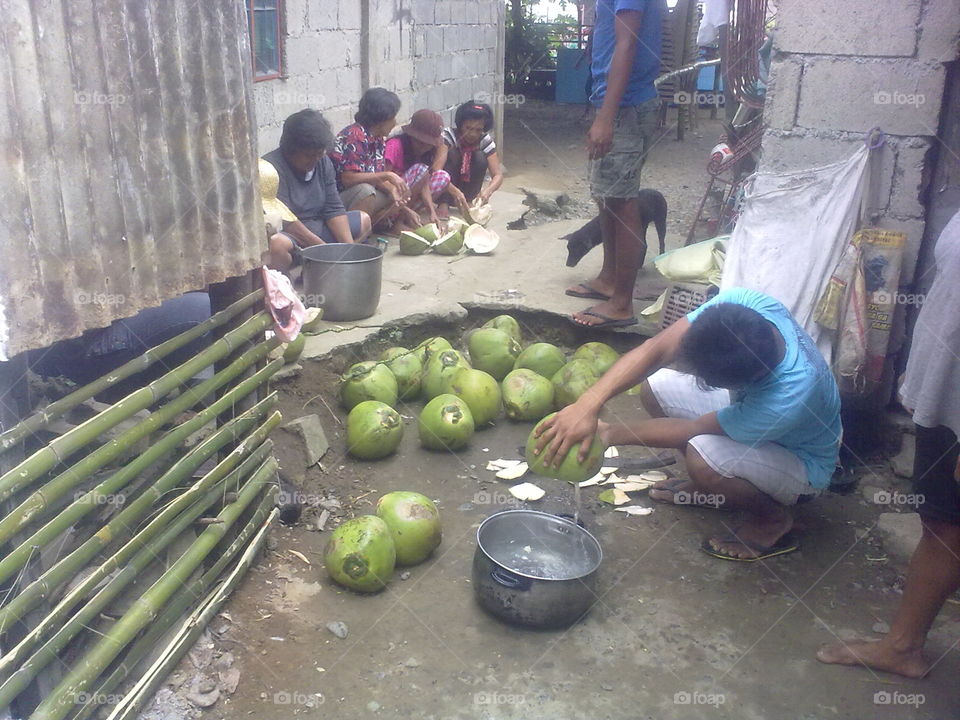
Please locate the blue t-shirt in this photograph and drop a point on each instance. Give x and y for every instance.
(797, 405)
(646, 63)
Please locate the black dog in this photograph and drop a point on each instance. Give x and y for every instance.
(653, 209)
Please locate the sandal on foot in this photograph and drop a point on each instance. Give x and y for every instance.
(786, 544)
(583, 290)
(606, 322)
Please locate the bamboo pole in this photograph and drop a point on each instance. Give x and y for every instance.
(39, 420)
(176, 609)
(64, 446)
(256, 445)
(19, 557)
(146, 608)
(29, 669)
(40, 500)
(190, 630)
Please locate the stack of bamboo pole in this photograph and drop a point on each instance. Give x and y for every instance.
(86, 582)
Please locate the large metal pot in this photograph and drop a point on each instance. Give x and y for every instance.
(535, 569)
(343, 278)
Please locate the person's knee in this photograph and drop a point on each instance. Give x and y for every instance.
(649, 401)
(280, 243)
(704, 477)
(365, 225)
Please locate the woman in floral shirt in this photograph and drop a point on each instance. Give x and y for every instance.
(362, 177)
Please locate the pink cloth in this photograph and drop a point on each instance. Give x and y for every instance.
(284, 304)
(393, 154)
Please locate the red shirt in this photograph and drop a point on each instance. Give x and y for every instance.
(356, 150)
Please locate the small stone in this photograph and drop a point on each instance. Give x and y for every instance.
(881, 627)
(373, 706)
(903, 462)
(901, 533)
(605, 686)
(315, 440)
(412, 662)
(339, 629)
(405, 574)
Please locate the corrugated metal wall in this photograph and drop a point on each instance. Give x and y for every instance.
(129, 159)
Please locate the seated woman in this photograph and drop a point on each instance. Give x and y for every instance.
(418, 154)
(308, 187)
(471, 154)
(365, 183)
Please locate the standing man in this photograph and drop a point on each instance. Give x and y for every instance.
(626, 60)
(931, 389)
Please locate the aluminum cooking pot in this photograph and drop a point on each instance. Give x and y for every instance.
(535, 569)
(343, 278)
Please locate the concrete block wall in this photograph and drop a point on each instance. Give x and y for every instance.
(432, 54)
(840, 69)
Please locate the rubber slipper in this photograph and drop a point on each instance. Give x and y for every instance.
(787, 544)
(587, 293)
(605, 321)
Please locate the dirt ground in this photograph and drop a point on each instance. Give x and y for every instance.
(674, 633)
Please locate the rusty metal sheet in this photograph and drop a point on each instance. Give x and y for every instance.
(129, 170)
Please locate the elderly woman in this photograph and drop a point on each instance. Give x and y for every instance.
(358, 157)
(308, 187)
(472, 154)
(418, 154)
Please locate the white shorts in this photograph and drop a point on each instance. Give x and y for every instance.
(771, 468)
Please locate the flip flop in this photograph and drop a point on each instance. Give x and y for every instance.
(787, 544)
(587, 292)
(606, 322)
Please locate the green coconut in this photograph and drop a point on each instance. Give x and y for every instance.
(600, 354)
(571, 381)
(430, 346)
(368, 380)
(294, 348)
(527, 395)
(543, 358)
(429, 232)
(406, 368)
(570, 468)
(450, 243)
(374, 430)
(313, 320)
(439, 371)
(361, 554)
(493, 351)
(508, 324)
(445, 423)
(480, 391)
(414, 522)
(413, 244)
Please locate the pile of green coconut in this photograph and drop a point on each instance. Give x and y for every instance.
(460, 236)
(463, 390)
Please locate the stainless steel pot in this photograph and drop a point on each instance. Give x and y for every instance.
(343, 278)
(535, 569)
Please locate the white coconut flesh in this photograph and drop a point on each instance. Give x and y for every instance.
(449, 240)
(479, 240)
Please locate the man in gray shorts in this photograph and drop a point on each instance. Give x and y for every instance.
(757, 417)
(625, 62)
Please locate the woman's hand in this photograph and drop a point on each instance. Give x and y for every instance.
(484, 196)
(458, 197)
(570, 427)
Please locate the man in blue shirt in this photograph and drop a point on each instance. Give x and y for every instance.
(756, 414)
(626, 60)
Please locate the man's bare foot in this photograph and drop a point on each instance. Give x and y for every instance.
(747, 540)
(876, 654)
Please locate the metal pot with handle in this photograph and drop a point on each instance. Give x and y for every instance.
(535, 569)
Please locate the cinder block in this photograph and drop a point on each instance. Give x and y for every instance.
(901, 97)
(907, 180)
(433, 38)
(885, 28)
(783, 90)
(296, 17)
(322, 14)
(403, 76)
(303, 55)
(940, 31)
(423, 11)
(348, 15)
(442, 14)
(263, 102)
(330, 49)
(268, 137)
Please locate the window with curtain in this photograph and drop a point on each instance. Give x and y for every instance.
(264, 18)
